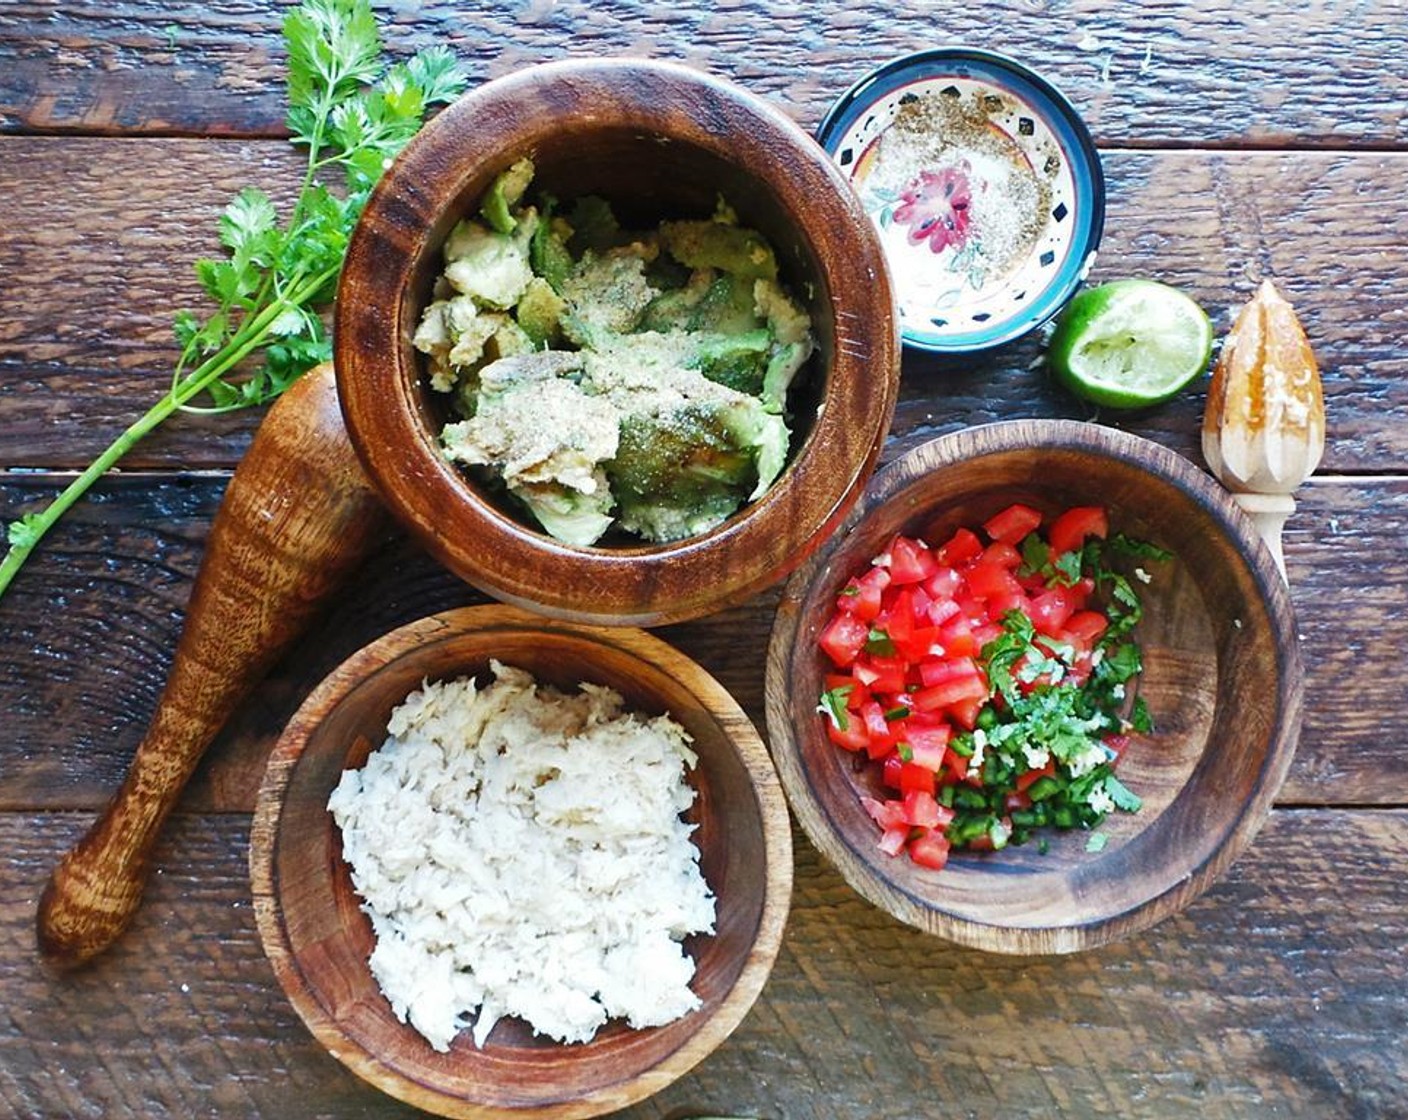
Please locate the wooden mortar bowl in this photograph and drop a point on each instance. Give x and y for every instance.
(1223, 680)
(318, 939)
(658, 141)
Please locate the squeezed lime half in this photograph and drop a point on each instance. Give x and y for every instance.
(1130, 343)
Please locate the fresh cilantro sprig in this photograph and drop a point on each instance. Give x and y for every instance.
(353, 113)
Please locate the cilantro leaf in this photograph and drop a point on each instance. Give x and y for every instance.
(25, 532)
(833, 706)
(1140, 718)
(1124, 798)
(878, 642)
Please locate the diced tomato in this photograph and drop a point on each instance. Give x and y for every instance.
(876, 725)
(915, 778)
(1083, 629)
(911, 561)
(861, 597)
(936, 670)
(1000, 554)
(852, 737)
(890, 771)
(985, 633)
(1071, 528)
(856, 693)
(965, 713)
(1116, 743)
(946, 693)
(921, 809)
(963, 546)
(887, 814)
(957, 763)
(927, 745)
(892, 840)
(1005, 601)
(987, 580)
(1013, 523)
(1052, 609)
(898, 614)
(943, 584)
(880, 674)
(1016, 801)
(844, 638)
(943, 610)
(920, 642)
(930, 850)
(956, 636)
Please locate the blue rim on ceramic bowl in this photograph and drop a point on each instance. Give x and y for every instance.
(986, 188)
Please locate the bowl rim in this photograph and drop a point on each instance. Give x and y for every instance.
(378, 375)
(1061, 116)
(637, 645)
(855, 864)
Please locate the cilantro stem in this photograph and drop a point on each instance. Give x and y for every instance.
(351, 111)
(251, 335)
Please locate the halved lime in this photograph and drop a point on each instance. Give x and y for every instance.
(1130, 343)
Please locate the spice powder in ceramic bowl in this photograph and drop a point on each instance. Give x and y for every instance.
(985, 187)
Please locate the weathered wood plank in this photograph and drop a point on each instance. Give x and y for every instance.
(88, 631)
(862, 1017)
(1260, 72)
(113, 227)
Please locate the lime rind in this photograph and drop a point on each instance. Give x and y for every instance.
(1130, 344)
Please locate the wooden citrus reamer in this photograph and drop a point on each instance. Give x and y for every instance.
(1264, 428)
(297, 516)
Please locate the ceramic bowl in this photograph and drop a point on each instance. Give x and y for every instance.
(984, 185)
(658, 140)
(1222, 677)
(318, 939)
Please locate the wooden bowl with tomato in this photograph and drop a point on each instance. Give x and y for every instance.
(1041, 689)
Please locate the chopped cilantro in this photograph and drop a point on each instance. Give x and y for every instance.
(878, 642)
(1125, 799)
(833, 706)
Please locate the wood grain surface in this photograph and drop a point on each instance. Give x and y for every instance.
(1255, 73)
(1202, 220)
(1268, 997)
(1239, 140)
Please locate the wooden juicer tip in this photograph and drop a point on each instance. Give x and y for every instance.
(1264, 428)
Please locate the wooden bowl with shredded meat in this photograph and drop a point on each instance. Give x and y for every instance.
(319, 939)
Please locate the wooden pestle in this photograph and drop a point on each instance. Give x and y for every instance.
(297, 516)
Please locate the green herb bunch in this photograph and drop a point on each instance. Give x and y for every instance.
(353, 113)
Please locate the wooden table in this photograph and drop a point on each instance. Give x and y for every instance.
(1240, 140)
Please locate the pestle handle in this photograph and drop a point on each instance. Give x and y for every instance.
(297, 516)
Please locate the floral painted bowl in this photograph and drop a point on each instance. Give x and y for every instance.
(985, 187)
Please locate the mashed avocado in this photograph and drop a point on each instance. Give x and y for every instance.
(610, 377)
